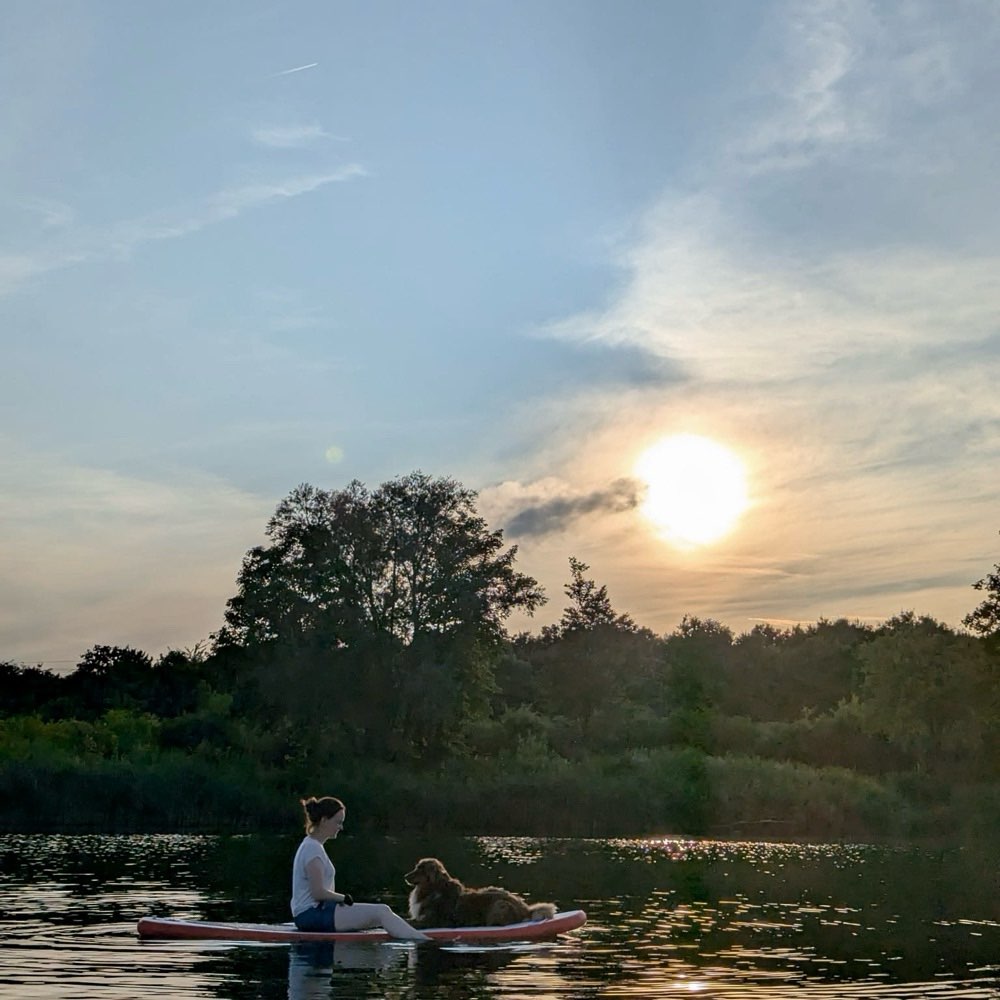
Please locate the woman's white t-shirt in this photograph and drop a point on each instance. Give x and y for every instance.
(302, 898)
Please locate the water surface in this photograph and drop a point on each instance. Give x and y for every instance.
(668, 918)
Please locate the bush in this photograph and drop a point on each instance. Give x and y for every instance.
(754, 795)
(832, 740)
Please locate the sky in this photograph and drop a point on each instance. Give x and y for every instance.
(246, 245)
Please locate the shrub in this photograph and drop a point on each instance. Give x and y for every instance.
(753, 794)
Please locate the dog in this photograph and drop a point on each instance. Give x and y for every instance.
(438, 900)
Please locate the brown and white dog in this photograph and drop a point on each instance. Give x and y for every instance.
(438, 900)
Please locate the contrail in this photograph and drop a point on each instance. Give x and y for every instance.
(296, 69)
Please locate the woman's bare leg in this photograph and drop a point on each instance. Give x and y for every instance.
(362, 916)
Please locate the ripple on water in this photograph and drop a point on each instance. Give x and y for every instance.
(667, 918)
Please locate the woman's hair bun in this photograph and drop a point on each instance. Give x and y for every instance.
(320, 809)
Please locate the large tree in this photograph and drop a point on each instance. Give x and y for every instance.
(383, 607)
(410, 559)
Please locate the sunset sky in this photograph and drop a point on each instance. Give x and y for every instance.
(246, 245)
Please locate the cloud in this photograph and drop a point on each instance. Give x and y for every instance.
(122, 239)
(292, 136)
(222, 206)
(17, 269)
(826, 296)
(558, 513)
(805, 109)
(231, 202)
(721, 304)
(729, 285)
(52, 214)
(844, 77)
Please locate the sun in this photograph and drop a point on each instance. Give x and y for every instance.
(696, 489)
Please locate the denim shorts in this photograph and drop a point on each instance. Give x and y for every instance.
(318, 917)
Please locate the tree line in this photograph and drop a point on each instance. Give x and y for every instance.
(366, 650)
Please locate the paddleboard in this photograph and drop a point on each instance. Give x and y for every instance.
(529, 930)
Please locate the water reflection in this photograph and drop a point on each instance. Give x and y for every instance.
(317, 971)
(311, 966)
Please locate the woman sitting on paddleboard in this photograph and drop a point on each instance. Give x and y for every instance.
(316, 905)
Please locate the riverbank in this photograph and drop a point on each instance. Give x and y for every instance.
(660, 792)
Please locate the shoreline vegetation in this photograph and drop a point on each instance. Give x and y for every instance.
(364, 654)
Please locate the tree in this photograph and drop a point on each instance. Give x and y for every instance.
(697, 655)
(413, 558)
(593, 657)
(385, 607)
(931, 692)
(590, 606)
(110, 677)
(985, 619)
(776, 675)
(24, 690)
(177, 678)
(696, 659)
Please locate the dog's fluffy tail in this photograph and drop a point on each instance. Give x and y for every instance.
(542, 911)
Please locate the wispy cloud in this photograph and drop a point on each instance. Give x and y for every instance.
(293, 136)
(221, 206)
(52, 214)
(122, 239)
(849, 78)
(806, 112)
(231, 202)
(17, 270)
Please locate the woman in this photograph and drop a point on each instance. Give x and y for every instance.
(316, 905)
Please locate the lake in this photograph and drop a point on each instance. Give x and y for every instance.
(668, 918)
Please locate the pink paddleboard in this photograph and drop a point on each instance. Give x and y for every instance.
(530, 930)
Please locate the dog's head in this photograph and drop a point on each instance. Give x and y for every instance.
(427, 872)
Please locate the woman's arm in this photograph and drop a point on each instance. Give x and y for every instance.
(317, 889)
